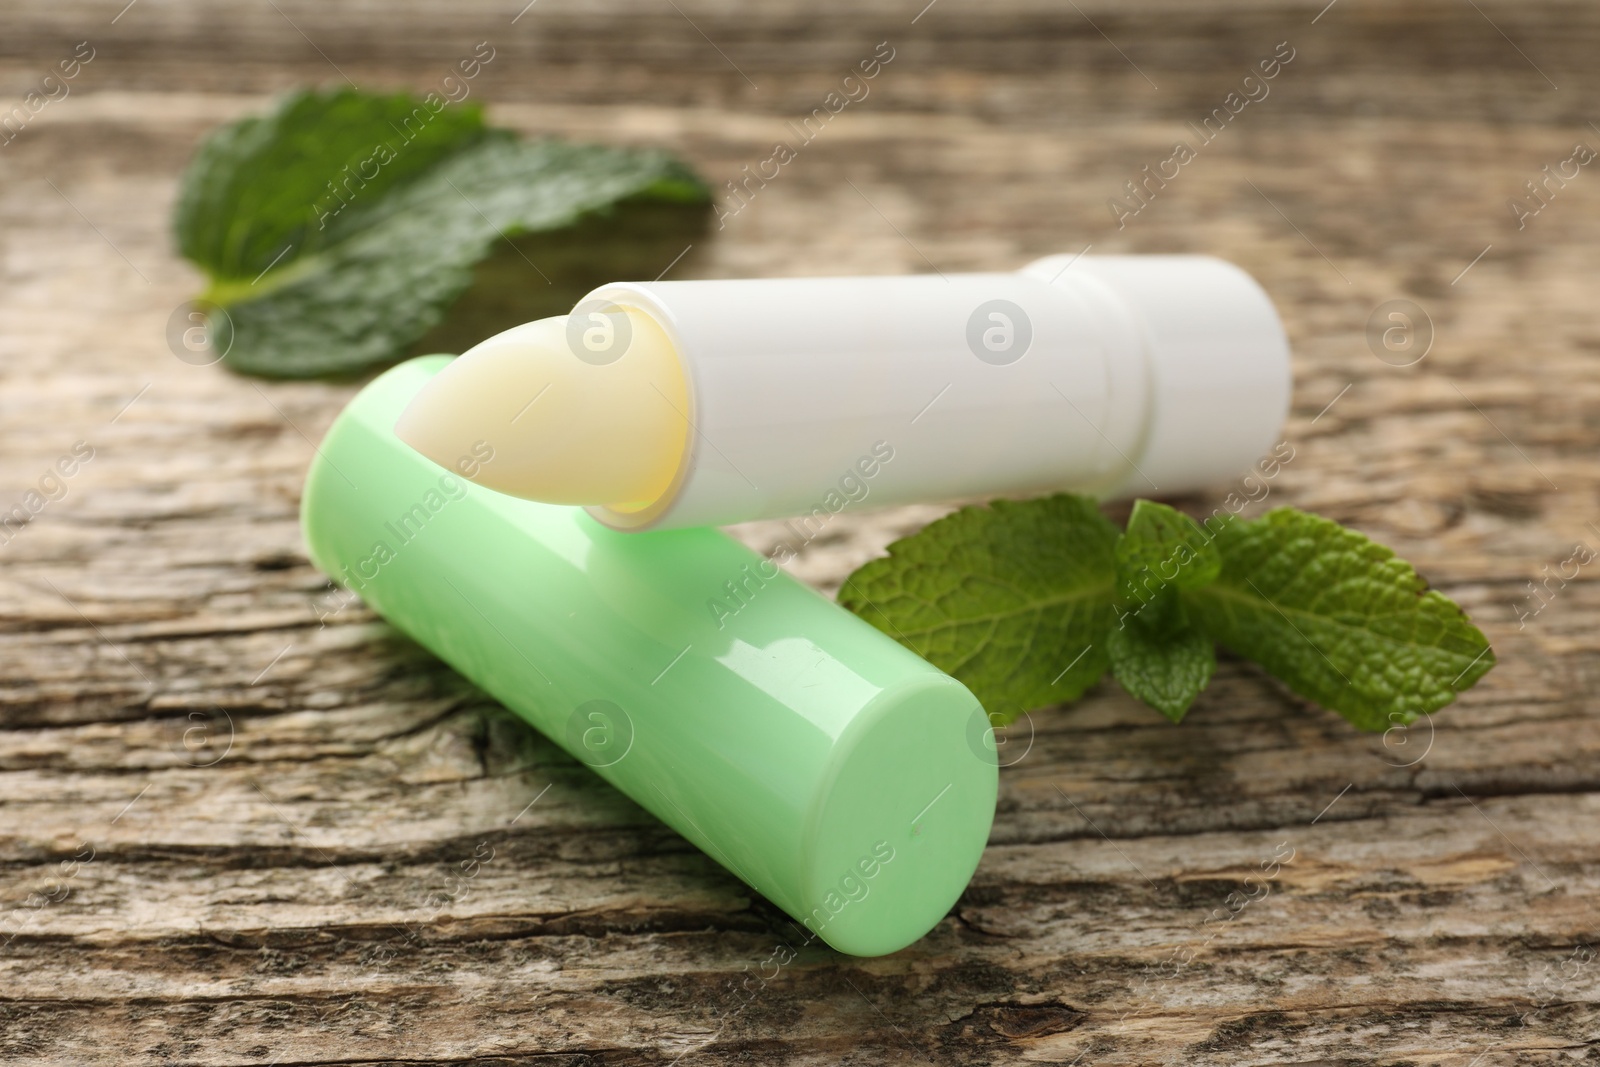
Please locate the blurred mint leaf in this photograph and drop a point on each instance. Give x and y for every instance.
(1166, 670)
(320, 272)
(295, 180)
(1339, 619)
(1013, 599)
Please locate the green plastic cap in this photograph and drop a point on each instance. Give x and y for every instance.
(837, 773)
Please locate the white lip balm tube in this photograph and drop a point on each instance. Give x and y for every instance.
(1112, 375)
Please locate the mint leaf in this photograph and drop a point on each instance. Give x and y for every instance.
(1000, 597)
(299, 178)
(1162, 546)
(1014, 599)
(312, 285)
(1339, 619)
(1166, 671)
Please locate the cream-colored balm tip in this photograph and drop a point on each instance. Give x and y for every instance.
(588, 409)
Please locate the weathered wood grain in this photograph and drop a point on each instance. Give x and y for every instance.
(311, 843)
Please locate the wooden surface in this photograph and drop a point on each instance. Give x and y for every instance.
(282, 814)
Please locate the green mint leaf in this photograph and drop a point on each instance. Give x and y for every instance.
(1166, 671)
(288, 183)
(1339, 619)
(1163, 547)
(377, 268)
(1014, 599)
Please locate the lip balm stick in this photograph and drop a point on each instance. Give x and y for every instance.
(687, 403)
(840, 775)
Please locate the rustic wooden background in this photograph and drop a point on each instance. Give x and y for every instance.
(275, 820)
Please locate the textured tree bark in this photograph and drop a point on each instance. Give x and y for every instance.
(242, 821)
